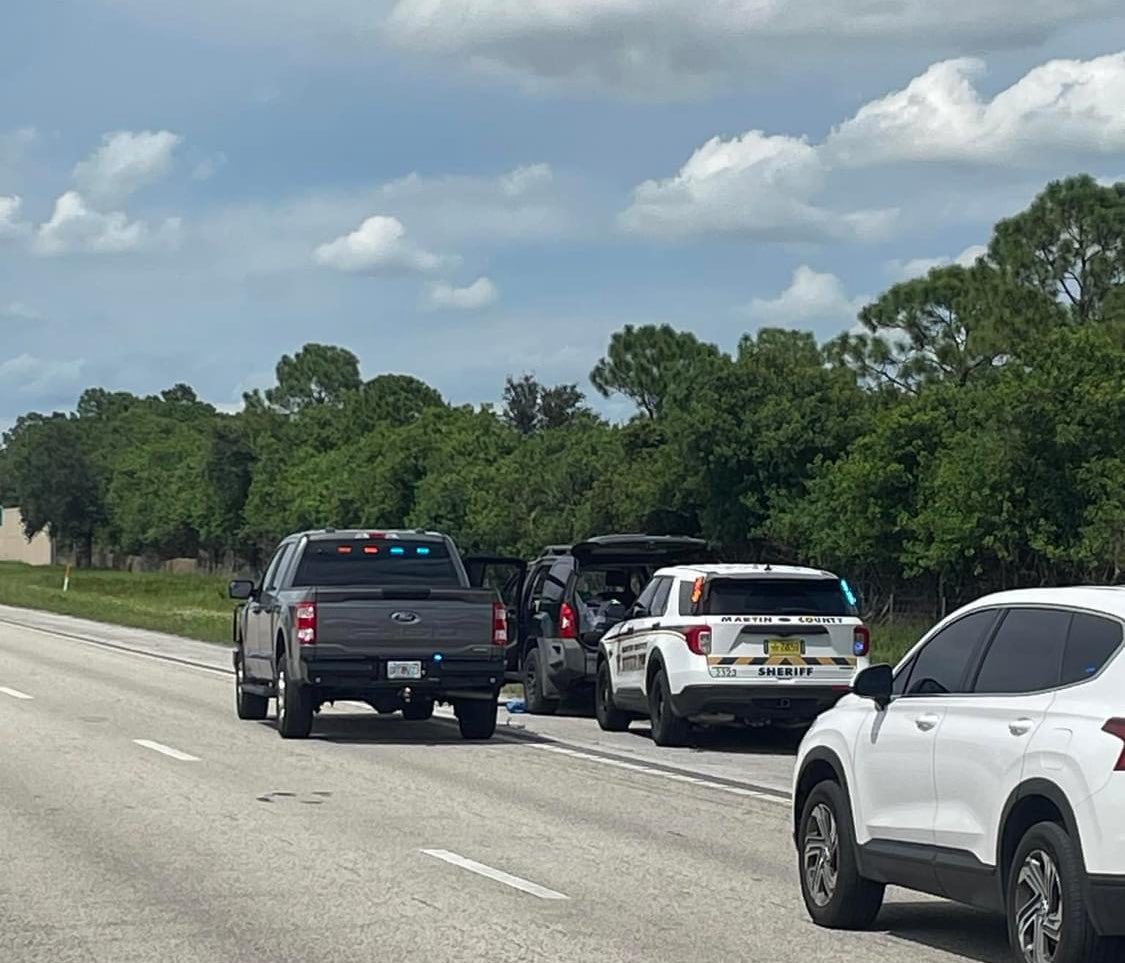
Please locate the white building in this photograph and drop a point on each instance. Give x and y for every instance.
(14, 546)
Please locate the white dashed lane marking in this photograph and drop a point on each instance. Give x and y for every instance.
(523, 885)
(14, 693)
(165, 750)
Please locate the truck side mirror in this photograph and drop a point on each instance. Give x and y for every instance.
(241, 589)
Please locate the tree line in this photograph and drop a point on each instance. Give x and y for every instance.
(967, 435)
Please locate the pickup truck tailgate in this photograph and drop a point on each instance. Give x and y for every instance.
(399, 622)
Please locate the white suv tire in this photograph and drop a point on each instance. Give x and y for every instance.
(836, 896)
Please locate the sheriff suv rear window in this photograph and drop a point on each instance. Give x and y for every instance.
(771, 596)
(371, 562)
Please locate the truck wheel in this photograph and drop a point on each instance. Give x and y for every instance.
(294, 707)
(537, 703)
(477, 718)
(248, 705)
(418, 711)
(609, 717)
(668, 729)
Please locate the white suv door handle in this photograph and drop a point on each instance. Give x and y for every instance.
(1020, 727)
(926, 722)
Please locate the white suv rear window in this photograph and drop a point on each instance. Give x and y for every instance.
(770, 596)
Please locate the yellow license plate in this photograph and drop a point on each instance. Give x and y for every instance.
(784, 647)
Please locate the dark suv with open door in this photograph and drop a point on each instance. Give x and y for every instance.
(562, 603)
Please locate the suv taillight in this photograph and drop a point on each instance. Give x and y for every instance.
(304, 617)
(568, 622)
(699, 639)
(1116, 727)
(499, 624)
(861, 640)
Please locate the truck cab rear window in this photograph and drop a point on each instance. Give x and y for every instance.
(361, 562)
(770, 596)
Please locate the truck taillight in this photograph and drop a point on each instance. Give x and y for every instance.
(499, 624)
(304, 618)
(699, 639)
(861, 640)
(568, 622)
(1116, 727)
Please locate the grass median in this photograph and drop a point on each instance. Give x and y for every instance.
(196, 606)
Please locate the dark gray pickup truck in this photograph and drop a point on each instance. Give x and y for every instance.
(388, 618)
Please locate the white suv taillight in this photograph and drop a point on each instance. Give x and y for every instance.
(699, 639)
(499, 624)
(304, 617)
(861, 640)
(1116, 727)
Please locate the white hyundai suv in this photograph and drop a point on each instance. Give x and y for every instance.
(988, 768)
(720, 643)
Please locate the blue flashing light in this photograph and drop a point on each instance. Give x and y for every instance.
(438, 657)
(858, 647)
(847, 590)
(422, 550)
(398, 550)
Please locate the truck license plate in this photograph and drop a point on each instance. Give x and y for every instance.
(404, 670)
(784, 647)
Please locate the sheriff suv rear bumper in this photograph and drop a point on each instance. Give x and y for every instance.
(757, 701)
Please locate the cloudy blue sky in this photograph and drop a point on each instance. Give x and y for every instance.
(463, 189)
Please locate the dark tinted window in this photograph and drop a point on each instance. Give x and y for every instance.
(776, 596)
(902, 678)
(646, 597)
(940, 666)
(1026, 653)
(660, 600)
(281, 556)
(1091, 642)
(364, 562)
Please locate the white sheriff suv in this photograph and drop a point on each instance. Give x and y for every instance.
(721, 643)
(988, 768)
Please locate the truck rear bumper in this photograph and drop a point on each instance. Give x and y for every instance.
(367, 677)
(756, 701)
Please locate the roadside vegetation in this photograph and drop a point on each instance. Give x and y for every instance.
(968, 434)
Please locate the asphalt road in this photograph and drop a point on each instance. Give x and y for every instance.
(141, 821)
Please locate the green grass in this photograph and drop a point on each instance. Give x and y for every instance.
(195, 606)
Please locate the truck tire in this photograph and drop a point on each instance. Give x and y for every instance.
(418, 711)
(294, 706)
(248, 705)
(537, 703)
(477, 718)
(668, 729)
(610, 718)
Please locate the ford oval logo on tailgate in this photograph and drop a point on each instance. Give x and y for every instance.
(405, 618)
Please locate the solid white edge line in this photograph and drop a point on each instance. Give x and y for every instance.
(661, 773)
(165, 750)
(499, 876)
(15, 693)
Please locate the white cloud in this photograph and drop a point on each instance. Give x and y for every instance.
(812, 297)
(207, 168)
(1061, 107)
(377, 246)
(677, 46)
(32, 378)
(18, 311)
(10, 223)
(126, 162)
(757, 185)
(480, 294)
(921, 266)
(75, 227)
(526, 178)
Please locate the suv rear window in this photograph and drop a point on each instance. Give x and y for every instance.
(771, 596)
(393, 562)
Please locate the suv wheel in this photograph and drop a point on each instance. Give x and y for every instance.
(418, 711)
(836, 896)
(294, 707)
(668, 729)
(248, 705)
(537, 703)
(477, 718)
(609, 717)
(1046, 905)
